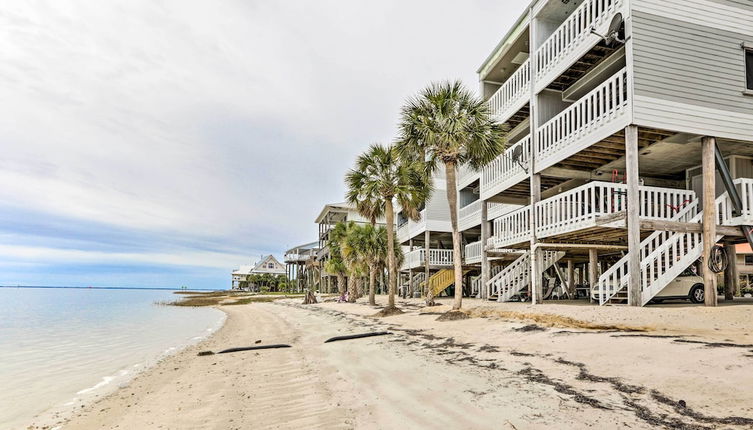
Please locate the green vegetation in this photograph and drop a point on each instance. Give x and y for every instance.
(444, 125)
(380, 180)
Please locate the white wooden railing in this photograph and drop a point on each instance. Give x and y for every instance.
(616, 277)
(664, 255)
(470, 209)
(517, 276)
(512, 95)
(476, 281)
(513, 274)
(565, 134)
(496, 210)
(573, 32)
(437, 257)
(469, 215)
(410, 228)
(512, 228)
(580, 207)
(473, 252)
(667, 261)
(466, 175)
(574, 209)
(503, 172)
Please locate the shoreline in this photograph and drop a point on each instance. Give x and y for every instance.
(519, 373)
(58, 415)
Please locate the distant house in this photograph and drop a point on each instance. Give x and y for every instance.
(267, 264)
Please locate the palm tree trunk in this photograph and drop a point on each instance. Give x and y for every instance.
(452, 198)
(341, 283)
(352, 293)
(372, 281)
(392, 269)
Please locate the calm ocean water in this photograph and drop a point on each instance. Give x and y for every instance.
(61, 348)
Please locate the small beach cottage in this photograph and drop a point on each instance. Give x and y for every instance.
(266, 265)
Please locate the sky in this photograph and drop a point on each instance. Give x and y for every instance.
(155, 143)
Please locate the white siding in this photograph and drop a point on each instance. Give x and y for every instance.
(689, 66)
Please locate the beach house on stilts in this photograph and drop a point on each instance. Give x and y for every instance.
(427, 244)
(630, 150)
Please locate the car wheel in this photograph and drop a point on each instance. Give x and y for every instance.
(697, 294)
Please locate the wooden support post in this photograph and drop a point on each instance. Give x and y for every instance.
(633, 216)
(731, 279)
(593, 270)
(537, 275)
(709, 217)
(570, 279)
(485, 269)
(427, 246)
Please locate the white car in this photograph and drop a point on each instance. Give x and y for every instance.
(687, 286)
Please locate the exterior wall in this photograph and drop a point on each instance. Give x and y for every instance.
(689, 66)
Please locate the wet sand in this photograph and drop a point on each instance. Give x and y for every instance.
(492, 372)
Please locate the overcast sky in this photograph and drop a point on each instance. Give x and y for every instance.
(164, 143)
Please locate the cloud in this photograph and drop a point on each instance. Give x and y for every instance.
(223, 125)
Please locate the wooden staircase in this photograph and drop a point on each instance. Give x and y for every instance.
(517, 276)
(664, 255)
(442, 280)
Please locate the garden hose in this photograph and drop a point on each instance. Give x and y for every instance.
(718, 259)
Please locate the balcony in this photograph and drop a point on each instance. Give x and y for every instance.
(466, 176)
(437, 258)
(585, 207)
(513, 94)
(473, 253)
(596, 116)
(411, 228)
(469, 216)
(503, 172)
(573, 39)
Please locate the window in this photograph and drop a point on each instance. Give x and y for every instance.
(749, 260)
(749, 68)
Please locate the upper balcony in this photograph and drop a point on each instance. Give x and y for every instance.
(469, 216)
(599, 114)
(513, 95)
(573, 38)
(506, 170)
(467, 176)
(409, 228)
(588, 209)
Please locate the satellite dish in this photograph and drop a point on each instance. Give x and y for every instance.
(615, 31)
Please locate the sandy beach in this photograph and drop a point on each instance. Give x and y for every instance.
(518, 367)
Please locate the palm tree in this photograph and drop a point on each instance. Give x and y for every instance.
(353, 250)
(379, 180)
(448, 124)
(335, 264)
(366, 248)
